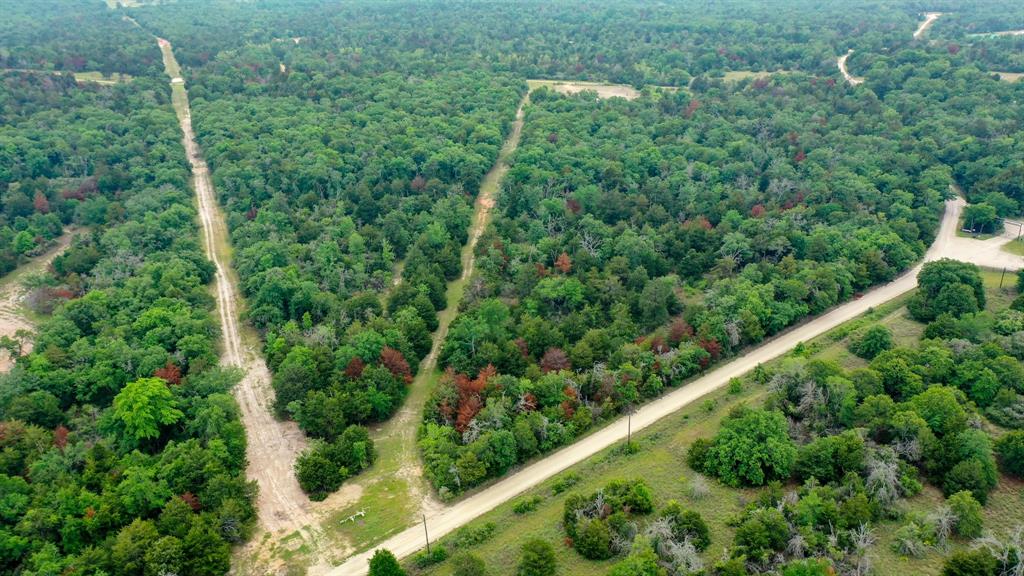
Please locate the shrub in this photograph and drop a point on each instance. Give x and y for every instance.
(526, 505)
(812, 567)
(911, 539)
(872, 342)
(762, 533)
(970, 563)
(537, 558)
(472, 535)
(436, 555)
(687, 524)
(594, 540)
(567, 481)
(466, 564)
(968, 514)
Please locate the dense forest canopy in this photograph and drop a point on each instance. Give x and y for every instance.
(121, 451)
(633, 244)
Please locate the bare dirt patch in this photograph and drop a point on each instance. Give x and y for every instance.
(14, 322)
(574, 87)
(1010, 76)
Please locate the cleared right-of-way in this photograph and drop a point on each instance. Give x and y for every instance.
(946, 245)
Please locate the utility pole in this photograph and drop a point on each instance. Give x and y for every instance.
(426, 534)
(1001, 278)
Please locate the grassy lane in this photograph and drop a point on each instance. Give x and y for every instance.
(393, 493)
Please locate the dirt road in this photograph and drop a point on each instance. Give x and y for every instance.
(929, 18)
(841, 61)
(272, 445)
(12, 294)
(947, 244)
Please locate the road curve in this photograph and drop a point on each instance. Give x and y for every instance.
(272, 445)
(841, 61)
(929, 18)
(411, 540)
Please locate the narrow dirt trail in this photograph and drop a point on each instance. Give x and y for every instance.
(929, 18)
(946, 244)
(272, 445)
(396, 438)
(13, 318)
(841, 61)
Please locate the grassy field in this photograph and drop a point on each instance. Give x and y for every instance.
(91, 76)
(1014, 247)
(737, 75)
(100, 78)
(660, 461)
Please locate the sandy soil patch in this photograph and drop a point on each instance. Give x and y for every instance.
(929, 18)
(573, 87)
(841, 61)
(14, 323)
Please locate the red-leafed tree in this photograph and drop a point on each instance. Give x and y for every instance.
(467, 411)
(693, 106)
(192, 500)
(40, 203)
(757, 211)
(418, 184)
(170, 373)
(60, 437)
(711, 346)
(563, 263)
(355, 368)
(573, 205)
(800, 156)
(523, 347)
(678, 331)
(394, 361)
(554, 360)
(658, 345)
(470, 394)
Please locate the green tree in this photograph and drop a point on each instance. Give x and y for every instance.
(537, 558)
(1010, 450)
(384, 563)
(143, 406)
(968, 514)
(205, 552)
(947, 286)
(594, 540)
(872, 342)
(317, 472)
(752, 448)
(131, 546)
(971, 563)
